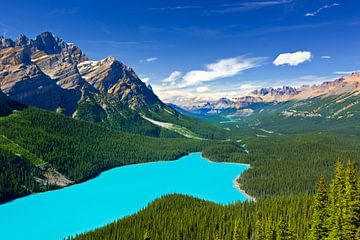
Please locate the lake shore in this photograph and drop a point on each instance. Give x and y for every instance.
(237, 186)
(235, 182)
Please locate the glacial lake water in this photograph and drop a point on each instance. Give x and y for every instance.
(115, 194)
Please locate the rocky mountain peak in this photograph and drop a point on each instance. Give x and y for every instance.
(6, 42)
(285, 90)
(22, 41)
(46, 69)
(49, 43)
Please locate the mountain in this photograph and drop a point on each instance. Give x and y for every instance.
(48, 73)
(349, 86)
(225, 103)
(343, 85)
(42, 72)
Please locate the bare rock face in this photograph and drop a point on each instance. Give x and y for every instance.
(112, 76)
(29, 85)
(42, 72)
(49, 73)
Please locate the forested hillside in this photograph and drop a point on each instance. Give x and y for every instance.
(78, 150)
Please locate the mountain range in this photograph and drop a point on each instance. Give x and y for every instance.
(48, 73)
(349, 86)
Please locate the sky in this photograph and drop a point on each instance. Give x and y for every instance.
(203, 50)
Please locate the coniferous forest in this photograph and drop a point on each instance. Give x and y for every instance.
(281, 179)
(332, 213)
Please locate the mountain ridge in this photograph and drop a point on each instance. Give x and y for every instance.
(347, 84)
(63, 71)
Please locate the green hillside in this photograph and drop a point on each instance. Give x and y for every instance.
(78, 150)
(108, 111)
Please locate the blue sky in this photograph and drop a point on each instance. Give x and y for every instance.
(204, 49)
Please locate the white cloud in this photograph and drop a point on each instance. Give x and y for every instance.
(325, 57)
(221, 69)
(202, 89)
(346, 72)
(313, 14)
(292, 59)
(196, 84)
(245, 6)
(151, 59)
(144, 78)
(172, 78)
(248, 87)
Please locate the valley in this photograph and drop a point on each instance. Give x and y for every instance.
(89, 146)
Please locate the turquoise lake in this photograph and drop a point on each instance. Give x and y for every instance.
(115, 194)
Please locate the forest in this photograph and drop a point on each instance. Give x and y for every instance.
(333, 212)
(284, 168)
(77, 149)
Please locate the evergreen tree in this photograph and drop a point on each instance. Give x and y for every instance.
(283, 231)
(147, 236)
(216, 236)
(237, 232)
(270, 230)
(351, 203)
(319, 228)
(259, 231)
(336, 219)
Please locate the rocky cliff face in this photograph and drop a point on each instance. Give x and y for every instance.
(49, 73)
(113, 77)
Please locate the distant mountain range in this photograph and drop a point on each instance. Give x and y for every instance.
(344, 85)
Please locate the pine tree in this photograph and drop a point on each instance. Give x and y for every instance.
(319, 229)
(259, 228)
(270, 230)
(147, 236)
(216, 236)
(351, 203)
(237, 232)
(336, 198)
(283, 231)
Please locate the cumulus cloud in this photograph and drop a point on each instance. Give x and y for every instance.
(316, 12)
(221, 69)
(151, 59)
(172, 78)
(292, 59)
